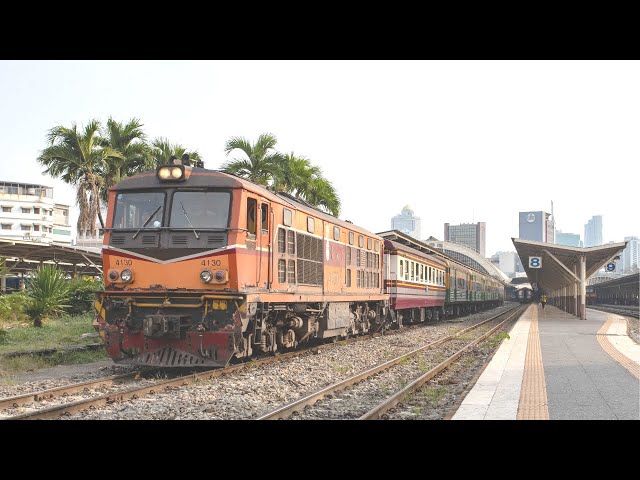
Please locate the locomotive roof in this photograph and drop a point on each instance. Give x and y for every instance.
(391, 245)
(202, 177)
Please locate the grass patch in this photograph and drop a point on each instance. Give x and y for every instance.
(435, 393)
(54, 333)
(12, 366)
(403, 360)
(340, 368)
(493, 341)
(423, 366)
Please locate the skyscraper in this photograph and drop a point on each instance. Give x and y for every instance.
(629, 257)
(470, 234)
(407, 223)
(568, 239)
(593, 232)
(537, 226)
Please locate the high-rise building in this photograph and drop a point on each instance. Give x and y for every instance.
(568, 239)
(407, 223)
(470, 234)
(28, 212)
(506, 261)
(593, 232)
(629, 259)
(537, 226)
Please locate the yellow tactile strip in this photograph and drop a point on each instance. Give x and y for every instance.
(533, 394)
(613, 352)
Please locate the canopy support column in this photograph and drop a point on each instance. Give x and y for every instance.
(583, 287)
(575, 291)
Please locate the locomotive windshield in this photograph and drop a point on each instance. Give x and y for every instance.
(200, 210)
(137, 210)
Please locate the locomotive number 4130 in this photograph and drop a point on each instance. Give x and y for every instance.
(211, 263)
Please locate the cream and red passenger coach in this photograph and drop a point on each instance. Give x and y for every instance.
(201, 266)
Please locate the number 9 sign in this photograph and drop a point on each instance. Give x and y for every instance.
(535, 262)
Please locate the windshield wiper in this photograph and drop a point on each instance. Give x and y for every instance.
(190, 224)
(148, 220)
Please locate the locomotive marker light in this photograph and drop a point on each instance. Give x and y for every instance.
(126, 275)
(206, 276)
(113, 275)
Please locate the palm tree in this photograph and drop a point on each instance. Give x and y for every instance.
(77, 158)
(130, 141)
(162, 150)
(321, 193)
(294, 174)
(261, 164)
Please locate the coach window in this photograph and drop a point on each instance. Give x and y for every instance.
(351, 238)
(336, 234)
(360, 241)
(429, 278)
(311, 225)
(252, 210)
(412, 267)
(401, 268)
(369, 244)
(422, 273)
(287, 217)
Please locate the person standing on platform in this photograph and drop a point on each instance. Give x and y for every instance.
(543, 300)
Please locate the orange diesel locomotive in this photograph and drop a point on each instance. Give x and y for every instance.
(201, 266)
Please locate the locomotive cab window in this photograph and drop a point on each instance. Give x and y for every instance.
(139, 210)
(200, 209)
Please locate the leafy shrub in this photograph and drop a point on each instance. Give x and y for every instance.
(12, 306)
(82, 294)
(48, 290)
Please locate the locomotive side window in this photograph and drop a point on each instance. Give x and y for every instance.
(252, 210)
(377, 245)
(360, 241)
(348, 277)
(311, 224)
(348, 256)
(282, 271)
(369, 243)
(287, 217)
(336, 233)
(351, 238)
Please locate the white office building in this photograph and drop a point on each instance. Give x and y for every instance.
(29, 213)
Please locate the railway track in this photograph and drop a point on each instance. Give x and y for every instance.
(119, 394)
(350, 404)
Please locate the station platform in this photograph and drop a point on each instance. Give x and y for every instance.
(558, 367)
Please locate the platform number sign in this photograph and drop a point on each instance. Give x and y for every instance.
(611, 267)
(535, 262)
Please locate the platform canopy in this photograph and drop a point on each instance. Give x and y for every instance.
(559, 270)
(22, 256)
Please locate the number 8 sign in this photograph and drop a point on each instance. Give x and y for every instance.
(535, 262)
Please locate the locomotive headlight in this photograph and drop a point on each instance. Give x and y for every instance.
(176, 172)
(126, 275)
(206, 276)
(164, 173)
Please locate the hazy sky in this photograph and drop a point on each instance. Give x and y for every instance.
(457, 141)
